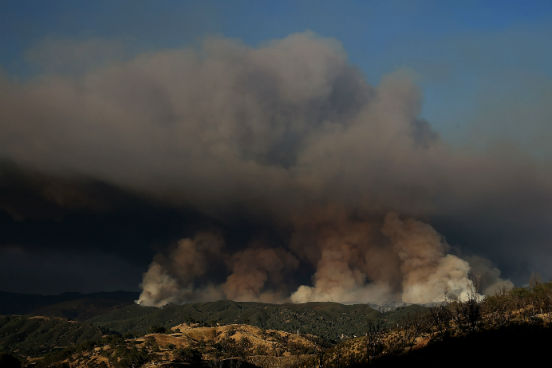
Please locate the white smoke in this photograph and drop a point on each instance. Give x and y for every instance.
(427, 274)
(173, 278)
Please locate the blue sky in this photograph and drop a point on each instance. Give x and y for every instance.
(485, 67)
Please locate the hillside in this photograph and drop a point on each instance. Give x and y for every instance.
(330, 320)
(48, 342)
(502, 328)
(509, 329)
(39, 335)
(510, 346)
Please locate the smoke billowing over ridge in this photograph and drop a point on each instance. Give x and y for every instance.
(289, 134)
(355, 262)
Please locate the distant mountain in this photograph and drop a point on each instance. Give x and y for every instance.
(75, 306)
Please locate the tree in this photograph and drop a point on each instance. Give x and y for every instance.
(188, 354)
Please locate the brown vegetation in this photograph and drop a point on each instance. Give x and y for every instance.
(186, 344)
(524, 307)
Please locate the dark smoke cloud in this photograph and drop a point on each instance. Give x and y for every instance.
(290, 137)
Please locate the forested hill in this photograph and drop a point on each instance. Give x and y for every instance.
(117, 312)
(329, 320)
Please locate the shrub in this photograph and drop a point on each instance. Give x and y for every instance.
(188, 354)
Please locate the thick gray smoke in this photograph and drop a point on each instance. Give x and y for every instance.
(289, 132)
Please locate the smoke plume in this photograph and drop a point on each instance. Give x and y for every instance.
(403, 260)
(288, 135)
